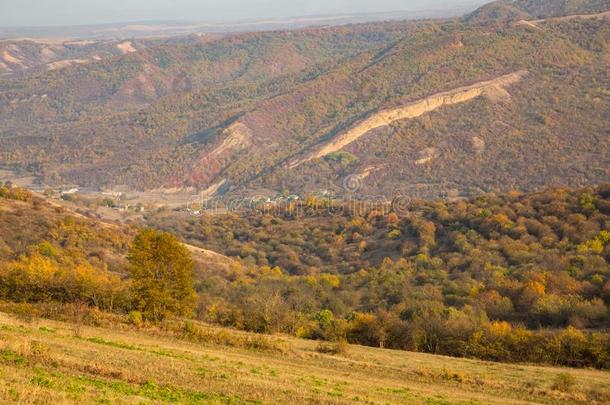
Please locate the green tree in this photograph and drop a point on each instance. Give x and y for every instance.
(161, 273)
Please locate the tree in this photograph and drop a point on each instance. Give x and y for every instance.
(161, 275)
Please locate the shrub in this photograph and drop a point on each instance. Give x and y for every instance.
(135, 318)
(40, 352)
(394, 234)
(191, 331)
(563, 382)
(335, 348)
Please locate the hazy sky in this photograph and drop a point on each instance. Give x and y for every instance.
(75, 12)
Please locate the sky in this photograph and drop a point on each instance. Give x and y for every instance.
(15, 13)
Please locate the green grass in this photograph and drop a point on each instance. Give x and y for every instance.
(120, 345)
(115, 366)
(9, 356)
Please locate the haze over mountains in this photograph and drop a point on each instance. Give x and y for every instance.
(168, 28)
(70, 14)
(512, 96)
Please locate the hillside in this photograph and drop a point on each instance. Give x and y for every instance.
(493, 89)
(195, 85)
(65, 363)
(18, 56)
(64, 252)
(240, 110)
(558, 8)
(516, 278)
(433, 276)
(409, 212)
(515, 10)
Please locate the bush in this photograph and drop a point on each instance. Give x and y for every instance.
(135, 318)
(335, 348)
(563, 382)
(394, 234)
(193, 332)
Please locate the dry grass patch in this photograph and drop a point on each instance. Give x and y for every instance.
(193, 363)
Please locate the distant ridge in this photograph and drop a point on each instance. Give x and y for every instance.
(514, 10)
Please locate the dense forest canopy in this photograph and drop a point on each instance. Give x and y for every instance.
(509, 277)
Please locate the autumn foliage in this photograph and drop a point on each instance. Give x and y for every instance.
(160, 271)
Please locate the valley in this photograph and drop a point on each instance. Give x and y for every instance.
(377, 207)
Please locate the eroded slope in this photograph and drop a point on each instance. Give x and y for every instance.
(494, 89)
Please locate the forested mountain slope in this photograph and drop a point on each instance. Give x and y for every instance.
(241, 110)
(514, 10)
(443, 277)
(514, 277)
(22, 55)
(158, 100)
(50, 251)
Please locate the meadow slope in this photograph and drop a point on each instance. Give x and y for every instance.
(45, 361)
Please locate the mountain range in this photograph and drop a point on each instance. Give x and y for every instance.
(511, 96)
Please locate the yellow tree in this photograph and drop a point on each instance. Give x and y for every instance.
(161, 271)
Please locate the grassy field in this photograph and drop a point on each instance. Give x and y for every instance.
(43, 361)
